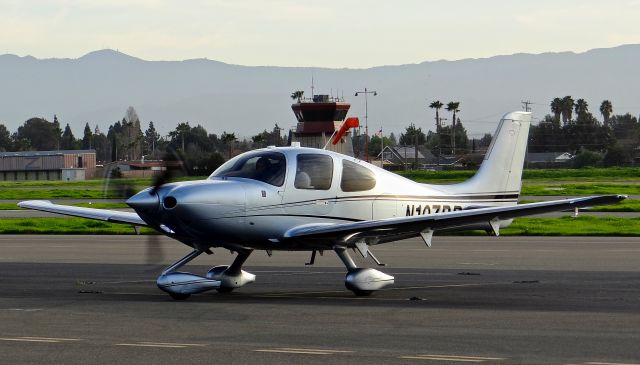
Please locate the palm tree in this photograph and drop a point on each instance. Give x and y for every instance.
(606, 109)
(556, 108)
(582, 107)
(437, 105)
(297, 95)
(567, 109)
(228, 139)
(453, 106)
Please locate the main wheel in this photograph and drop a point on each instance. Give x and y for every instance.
(177, 296)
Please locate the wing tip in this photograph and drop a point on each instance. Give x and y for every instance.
(28, 203)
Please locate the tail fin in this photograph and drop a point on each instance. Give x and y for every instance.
(501, 170)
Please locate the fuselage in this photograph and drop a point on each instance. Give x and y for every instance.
(255, 198)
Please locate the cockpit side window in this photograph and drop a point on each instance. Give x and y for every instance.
(313, 171)
(268, 167)
(356, 177)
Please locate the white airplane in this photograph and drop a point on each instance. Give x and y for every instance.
(304, 199)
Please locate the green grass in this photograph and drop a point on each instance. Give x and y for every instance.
(549, 182)
(86, 189)
(569, 226)
(64, 226)
(624, 206)
(580, 189)
(12, 206)
(533, 175)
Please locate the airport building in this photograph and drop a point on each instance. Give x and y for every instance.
(48, 165)
(319, 118)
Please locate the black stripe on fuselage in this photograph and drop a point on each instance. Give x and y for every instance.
(498, 198)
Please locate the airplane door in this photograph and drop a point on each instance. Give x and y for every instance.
(310, 187)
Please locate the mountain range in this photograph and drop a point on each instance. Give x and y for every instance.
(99, 86)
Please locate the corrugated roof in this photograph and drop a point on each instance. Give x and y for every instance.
(44, 153)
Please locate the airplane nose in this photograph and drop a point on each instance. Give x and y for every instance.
(144, 201)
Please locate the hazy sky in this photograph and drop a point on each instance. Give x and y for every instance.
(326, 33)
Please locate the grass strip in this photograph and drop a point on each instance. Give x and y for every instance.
(580, 189)
(570, 226)
(530, 174)
(68, 225)
(12, 206)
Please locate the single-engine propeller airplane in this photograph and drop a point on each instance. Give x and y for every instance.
(294, 198)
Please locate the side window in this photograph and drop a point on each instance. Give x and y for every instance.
(313, 172)
(356, 177)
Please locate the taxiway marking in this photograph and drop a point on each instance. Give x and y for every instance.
(161, 344)
(39, 339)
(456, 358)
(305, 351)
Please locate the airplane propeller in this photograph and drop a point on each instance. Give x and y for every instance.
(174, 166)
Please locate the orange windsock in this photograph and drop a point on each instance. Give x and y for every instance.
(352, 122)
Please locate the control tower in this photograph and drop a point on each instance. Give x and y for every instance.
(318, 119)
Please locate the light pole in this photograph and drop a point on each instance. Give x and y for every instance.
(366, 119)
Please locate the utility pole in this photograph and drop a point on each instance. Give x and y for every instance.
(415, 148)
(366, 119)
(525, 105)
(382, 148)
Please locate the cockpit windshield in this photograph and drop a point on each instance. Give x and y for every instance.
(269, 167)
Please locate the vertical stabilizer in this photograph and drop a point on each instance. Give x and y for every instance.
(501, 169)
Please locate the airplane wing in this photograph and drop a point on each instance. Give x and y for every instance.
(114, 216)
(391, 229)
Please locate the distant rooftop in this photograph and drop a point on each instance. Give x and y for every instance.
(44, 153)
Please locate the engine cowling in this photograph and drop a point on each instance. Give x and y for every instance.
(182, 283)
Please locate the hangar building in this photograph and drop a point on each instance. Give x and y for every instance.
(48, 165)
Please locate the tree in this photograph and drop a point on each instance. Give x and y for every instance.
(101, 145)
(453, 106)
(57, 132)
(606, 109)
(259, 140)
(567, 109)
(40, 134)
(151, 139)
(375, 144)
(68, 141)
(87, 139)
(180, 134)
(408, 137)
(229, 139)
(616, 155)
(485, 141)
(557, 108)
(5, 138)
(392, 139)
(437, 105)
(297, 95)
(581, 107)
(586, 158)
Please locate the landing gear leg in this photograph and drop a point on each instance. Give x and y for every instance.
(180, 285)
(361, 281)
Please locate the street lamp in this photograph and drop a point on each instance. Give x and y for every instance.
(366, 119)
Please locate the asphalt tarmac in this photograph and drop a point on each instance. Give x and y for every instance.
(487, 300)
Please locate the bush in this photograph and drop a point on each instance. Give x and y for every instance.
(586, 158)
